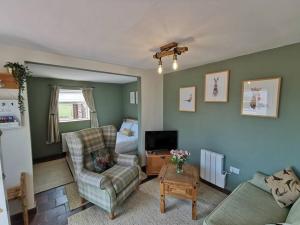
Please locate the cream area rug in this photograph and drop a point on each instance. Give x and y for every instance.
(142, 207)
(73, 196)
(48, 175)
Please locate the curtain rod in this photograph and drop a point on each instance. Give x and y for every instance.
(70, 86)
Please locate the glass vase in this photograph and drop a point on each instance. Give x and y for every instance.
(179, 167)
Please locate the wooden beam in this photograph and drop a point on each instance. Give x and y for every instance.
(177, 50)
(168, 46)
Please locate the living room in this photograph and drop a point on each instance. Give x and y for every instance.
(217, 80)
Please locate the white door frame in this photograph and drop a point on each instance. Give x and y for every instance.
(4, 218)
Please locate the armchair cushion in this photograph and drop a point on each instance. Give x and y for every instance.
(121, 176)
(102, 160)
(92, 139)
(126, 160)
(94, 179)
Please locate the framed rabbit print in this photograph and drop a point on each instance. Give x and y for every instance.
(261, 97)
(216, 86)
(187, 99)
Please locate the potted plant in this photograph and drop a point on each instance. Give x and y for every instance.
(20, 73)
(179, 157)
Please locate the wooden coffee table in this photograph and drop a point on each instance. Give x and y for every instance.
(183, 185)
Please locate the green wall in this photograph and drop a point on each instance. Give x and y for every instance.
(108, 101)
(249, 143)
(129, 110)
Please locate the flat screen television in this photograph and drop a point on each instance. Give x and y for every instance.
(160, 140)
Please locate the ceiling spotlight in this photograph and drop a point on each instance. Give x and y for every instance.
(175, 64)
(160, 69)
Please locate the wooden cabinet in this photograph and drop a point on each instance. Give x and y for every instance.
(156, 160)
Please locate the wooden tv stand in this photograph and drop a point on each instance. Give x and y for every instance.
(156, 160)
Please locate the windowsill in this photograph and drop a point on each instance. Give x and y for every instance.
(71, 121)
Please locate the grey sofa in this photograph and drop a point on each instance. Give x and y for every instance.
(252, 203)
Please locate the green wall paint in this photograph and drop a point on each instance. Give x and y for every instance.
(249, 143)
(108, 101)
(129, 110)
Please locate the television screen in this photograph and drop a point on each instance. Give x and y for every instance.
(160, 140)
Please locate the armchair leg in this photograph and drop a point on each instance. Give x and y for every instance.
(82, 200)
(111, 215)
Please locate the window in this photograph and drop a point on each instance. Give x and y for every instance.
(72, 106)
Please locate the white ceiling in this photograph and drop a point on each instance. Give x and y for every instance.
(127, 32)
(47, 71)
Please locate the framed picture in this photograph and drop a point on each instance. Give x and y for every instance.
(187, 99)
(136, 97)
(216, 86)
(261, 97)
(132, 97)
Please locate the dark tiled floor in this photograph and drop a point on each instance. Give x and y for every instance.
(52, 208)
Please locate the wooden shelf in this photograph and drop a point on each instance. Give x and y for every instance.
(8, 80)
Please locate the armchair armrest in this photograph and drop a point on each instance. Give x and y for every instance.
(94, 179)
(127, 160)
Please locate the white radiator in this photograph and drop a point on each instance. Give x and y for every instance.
(211, 167)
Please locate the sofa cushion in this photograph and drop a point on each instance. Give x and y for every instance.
(92, 139)
(259, 181)
(294, 214)
(247, 204)
(285, 187)
(121, 176)
(102, 160)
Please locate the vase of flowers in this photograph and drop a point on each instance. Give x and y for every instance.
(179, 157)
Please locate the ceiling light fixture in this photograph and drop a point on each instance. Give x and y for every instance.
(167, 50)
(160, 69)
(175, 64)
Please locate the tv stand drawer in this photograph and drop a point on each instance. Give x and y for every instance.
(155, 162)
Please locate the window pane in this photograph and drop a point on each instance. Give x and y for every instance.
(72, 106)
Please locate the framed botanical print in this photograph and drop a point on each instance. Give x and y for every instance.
(261, 97)
(216, 86)
(187, 99)
(132, 97)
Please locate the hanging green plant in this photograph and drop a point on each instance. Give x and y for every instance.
(20, 73)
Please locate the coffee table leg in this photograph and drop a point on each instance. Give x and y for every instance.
(162, 198)
(194, 203)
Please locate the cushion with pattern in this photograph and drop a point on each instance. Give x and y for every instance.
(285, 187)
(102, 160)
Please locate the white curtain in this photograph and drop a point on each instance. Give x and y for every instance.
(89, 99)
(53, 131)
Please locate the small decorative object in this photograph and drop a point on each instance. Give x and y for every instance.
(20, 73)
(132, 97)
(261, 97)
(136, 97)
(179, 157)
(216, 86)
(187, 99)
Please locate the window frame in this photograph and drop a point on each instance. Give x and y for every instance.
(60, 120)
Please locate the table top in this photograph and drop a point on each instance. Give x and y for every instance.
(190, 175)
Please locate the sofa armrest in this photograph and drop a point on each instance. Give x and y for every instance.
(127, 160)
(94, 179)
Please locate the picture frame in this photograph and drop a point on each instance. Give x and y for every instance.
(136, 97)
(260, 97)
(132, 97)
(216, 86)
(187, 99)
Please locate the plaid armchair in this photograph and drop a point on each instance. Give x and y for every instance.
(110, 188)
